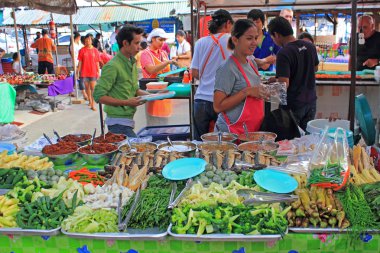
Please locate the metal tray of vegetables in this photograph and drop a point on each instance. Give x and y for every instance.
(313, 230)
(130, 234)
(225, 237)
(20, 231)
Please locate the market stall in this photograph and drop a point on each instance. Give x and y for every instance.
(246, 191)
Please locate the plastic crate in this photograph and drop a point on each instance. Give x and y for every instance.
(175, 132)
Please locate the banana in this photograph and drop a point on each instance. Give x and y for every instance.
(11, 202)
(10, 211)
(7, 221)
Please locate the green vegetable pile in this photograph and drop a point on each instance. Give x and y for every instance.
(331, 174)
(152, 207)
(10, 177)
(246, 179)
(227, 219)
(44, 213)
(86, 220)
(24, 189)
(372, 195)
(358, 211)
(211, 174)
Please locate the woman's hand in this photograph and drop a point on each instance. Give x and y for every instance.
(257, 92)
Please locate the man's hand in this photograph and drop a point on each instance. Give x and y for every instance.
(135, 101)
(371, 63)
(271, 59)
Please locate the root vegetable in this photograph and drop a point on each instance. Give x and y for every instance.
(305, 223)
(332, 221)
(341, 215)
(321, 201)
(298, 221)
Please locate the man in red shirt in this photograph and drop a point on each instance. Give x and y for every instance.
(45, 47)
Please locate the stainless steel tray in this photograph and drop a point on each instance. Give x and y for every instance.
(131, 234)
(225, 237)
(20, 231)
(4, 191)
(313, 230)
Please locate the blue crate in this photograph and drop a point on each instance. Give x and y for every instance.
(175, 132)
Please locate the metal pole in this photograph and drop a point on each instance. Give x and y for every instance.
(101, 32)
(16, 33)
(73, 57)
(26, 46)
(56, 36)
(191, 100)
(353, 53)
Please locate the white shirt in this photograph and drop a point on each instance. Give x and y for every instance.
(183, 47)
(113, 38)
(77, 47)
(203, 46)
(16, 68)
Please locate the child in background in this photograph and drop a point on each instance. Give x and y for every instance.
(16, 65)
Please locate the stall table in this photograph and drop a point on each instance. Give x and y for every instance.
(292, 243)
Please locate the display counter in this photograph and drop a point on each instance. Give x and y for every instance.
(292, 243)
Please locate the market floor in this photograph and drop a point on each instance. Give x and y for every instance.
(78, 118)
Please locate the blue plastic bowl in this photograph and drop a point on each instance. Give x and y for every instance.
(7, 146)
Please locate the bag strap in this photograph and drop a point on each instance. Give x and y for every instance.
(217, 43)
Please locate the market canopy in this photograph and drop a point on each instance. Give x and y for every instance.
(294, 4)
(57, 6)
(103, 14)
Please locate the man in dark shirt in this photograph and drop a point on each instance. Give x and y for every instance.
(296, 64)
(368, 55)
(96, 42)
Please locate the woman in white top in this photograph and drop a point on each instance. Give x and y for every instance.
(77, 46)
(16, 65)
(183, 50)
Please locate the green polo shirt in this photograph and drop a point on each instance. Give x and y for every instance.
(118, 80)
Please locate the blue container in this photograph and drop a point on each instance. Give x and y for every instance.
(7, 60)
(175, 132)
(7, 146)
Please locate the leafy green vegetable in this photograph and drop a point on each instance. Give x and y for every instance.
(372, 195)
(354, 203)
(229, 219)
(86, 220)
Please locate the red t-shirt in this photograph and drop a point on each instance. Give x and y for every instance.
(104, 58)
(90, 59)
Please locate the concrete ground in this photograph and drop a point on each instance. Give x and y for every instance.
(78, 118)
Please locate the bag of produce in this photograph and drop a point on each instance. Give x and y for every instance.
(8, 100)
(329, 164)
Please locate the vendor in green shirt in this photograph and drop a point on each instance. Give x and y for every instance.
(118, 87)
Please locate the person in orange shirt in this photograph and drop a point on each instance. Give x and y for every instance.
(45, 47)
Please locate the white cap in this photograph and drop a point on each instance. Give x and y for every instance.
(158, 32)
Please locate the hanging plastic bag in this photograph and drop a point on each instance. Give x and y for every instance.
(329, 165)
(277, 91)
(7, 103)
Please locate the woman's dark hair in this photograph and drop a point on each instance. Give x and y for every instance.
(256, 14)
(76, 35)
(181, 33)
(89, 35)
(306, 35)
(240, 27)
(127, 33)
(281, 26)
(143, 45)
(219, 18)
(15, 56)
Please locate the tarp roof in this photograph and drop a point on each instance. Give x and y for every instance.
(57, 6)
(106, 14)
(294, 4)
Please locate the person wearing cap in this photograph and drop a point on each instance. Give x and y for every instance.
(154, 60)
(183, 52)
(118, 87)
(210, 52)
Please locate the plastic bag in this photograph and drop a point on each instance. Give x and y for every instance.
(329, 165)
(7, 105)
(277, 90)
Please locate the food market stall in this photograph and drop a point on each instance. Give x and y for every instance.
(135, 196)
